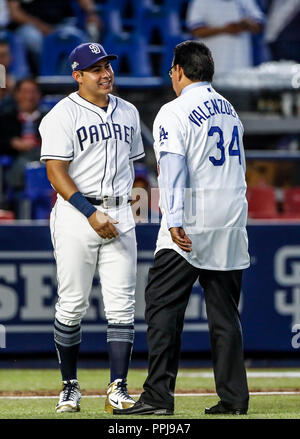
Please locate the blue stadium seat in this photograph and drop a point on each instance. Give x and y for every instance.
(5, 162)
(132, 52)
(168, 55)
(49, 101)
(38, 190)
(56, 48)
(119, 15)
(19, 67)
(178, 5)
(143, 34)
(164, 20)
(78, 13)
(162, 29)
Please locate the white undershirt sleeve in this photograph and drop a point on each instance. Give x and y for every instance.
(173, 175)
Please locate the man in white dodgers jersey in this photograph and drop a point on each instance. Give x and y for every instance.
(89, 141)
(199, 150)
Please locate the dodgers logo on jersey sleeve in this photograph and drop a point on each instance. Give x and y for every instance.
(163, 135)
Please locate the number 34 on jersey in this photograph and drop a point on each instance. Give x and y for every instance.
(234, 147)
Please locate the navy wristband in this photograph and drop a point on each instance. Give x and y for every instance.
(82, 204)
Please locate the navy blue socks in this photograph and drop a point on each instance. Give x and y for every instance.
(119, 341)
(67, 341)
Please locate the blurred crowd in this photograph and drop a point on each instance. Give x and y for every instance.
(240, 33)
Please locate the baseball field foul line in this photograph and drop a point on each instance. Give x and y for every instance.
(249, 374)
(176, 394)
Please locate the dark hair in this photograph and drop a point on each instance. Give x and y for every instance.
(196, 60)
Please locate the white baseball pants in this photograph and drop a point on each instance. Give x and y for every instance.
(79, 251)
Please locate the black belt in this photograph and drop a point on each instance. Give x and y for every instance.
(107, 201)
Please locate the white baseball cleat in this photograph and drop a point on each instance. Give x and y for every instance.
(69, 397)
(117, 396)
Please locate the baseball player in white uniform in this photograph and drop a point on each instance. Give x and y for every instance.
(225, 26)
(89, 141)
(199, 150)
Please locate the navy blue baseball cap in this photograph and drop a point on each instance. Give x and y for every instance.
(87, 54)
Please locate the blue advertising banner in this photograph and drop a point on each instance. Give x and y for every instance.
(270, 301)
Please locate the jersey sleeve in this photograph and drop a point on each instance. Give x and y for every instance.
(172, 183)
(251, 10)
(57, 138)
(196, 15)
(137, 147)
(168, 133)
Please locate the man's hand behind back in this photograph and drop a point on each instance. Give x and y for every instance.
(181, 239)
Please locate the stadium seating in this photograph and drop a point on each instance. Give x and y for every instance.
(6, 215)
(148, 28)
(262, 202)
(118, 15)
(291, 203)
(48, 101)
(121, 38)
(133, 58)
(38, 193)
(56, 49)
(161, 28)
(19, 66)
(5, 162)
(143, 33)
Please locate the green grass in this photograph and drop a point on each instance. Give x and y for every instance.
(95, 381)
(262, 407)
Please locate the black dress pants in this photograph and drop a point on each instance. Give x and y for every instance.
(167, 293)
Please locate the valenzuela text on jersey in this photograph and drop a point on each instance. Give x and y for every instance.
(212, 108)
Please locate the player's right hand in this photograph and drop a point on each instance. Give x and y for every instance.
(103, 224)
(181, 239)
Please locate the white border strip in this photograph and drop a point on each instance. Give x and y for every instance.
(176, 394)
(264, 374)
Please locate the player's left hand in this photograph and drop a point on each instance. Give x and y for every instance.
(103, 224)
(181, 239)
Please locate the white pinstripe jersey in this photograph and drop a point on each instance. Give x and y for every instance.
(99, 144)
